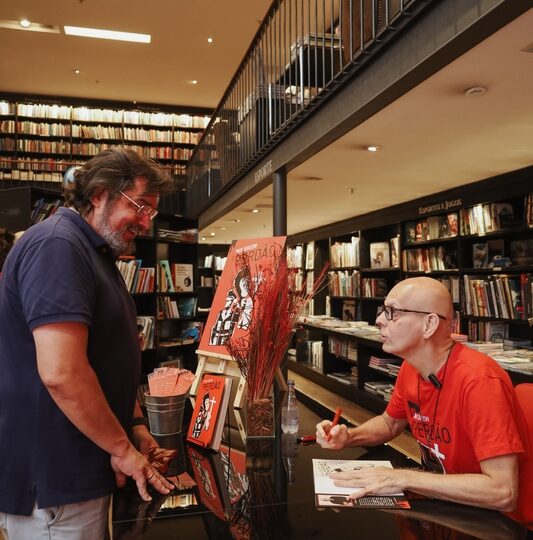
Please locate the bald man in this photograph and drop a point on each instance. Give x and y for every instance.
(459, 404)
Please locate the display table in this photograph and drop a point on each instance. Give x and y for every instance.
(271, 496)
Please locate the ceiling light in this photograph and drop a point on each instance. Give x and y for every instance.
(203, 237)
(475, 91)
(237, 220)
(222, 228)
(372, 148)
(209, 40)
(194, 81)
(32, 27)
(77, 71)
(107, 34)
(255, 211)
(25, 23)
(212, 234)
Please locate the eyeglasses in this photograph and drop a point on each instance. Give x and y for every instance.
(389, 312)
(142, 210)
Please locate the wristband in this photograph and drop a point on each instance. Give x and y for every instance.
(139, 421)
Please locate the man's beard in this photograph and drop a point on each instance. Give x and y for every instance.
(114, 238)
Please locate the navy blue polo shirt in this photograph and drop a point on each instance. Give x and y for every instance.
(60, 270)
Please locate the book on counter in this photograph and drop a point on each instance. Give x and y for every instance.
(208, 416)
(327, 494)
(208, 471)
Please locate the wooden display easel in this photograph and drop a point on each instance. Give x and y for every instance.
(222, 364)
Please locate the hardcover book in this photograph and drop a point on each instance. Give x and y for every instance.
(183, 277)
(327, 494)
(379, 255)
(208, 417)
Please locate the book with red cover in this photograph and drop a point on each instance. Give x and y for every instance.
(232, 307)
(209, 476)
(209, 412)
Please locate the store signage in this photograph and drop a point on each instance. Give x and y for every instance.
(263, 172)
(439, 207)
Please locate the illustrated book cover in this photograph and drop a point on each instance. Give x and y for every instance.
(183, 277)
(379, 255)
(327, 494)
(232, 307)
(208, 417)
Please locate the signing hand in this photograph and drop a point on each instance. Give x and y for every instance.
(374, 480)
(334, 438)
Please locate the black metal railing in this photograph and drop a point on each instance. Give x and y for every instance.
(301, 52)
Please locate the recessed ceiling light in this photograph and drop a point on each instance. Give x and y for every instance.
(203, 237)
(107, 34)
(77, 71)
(212, 234)
(194, 81)
(237, 220)
(222, 228)
(209, 40)
(475, 91)
(255, 211)
(32, 26)
(372, 148)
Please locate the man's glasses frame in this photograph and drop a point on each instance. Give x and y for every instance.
(143, 210)
(389, 312)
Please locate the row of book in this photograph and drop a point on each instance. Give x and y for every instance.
(174, 277)
(345, 377)
(342, 348)
(176, 308)
(432, 228)
(492, 253)
(85, 114)
(215, 262)
(499, 296)
(379, 388)
(488, 331)
(29, 164)
(185, 236)
(374, 287)
(344, 253)
(429, 259)
(138, 279)
(344, 283)
(390, 366)
(43, 208)
(484, 218)
(312, 353)
(154, 135)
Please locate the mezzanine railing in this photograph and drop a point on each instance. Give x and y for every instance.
(303, 50)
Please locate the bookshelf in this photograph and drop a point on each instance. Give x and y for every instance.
(211, 261)
(40, 138)
(477, 240)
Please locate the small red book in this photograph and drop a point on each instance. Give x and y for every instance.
(208, 417)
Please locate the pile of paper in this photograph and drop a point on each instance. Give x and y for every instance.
(169, 381)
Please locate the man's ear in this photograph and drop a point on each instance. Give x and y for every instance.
(99, 197)
(430, 325)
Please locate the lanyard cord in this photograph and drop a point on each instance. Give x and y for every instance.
(434, 419)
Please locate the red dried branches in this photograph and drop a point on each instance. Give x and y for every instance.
(276, 307)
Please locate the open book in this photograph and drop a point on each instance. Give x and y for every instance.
(328, 494)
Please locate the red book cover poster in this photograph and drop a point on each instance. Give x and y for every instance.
(232, 307)
(208, 474)
(209, 411)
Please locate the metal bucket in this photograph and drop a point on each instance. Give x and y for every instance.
(165, 414)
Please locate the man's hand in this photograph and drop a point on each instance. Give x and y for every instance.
(375, 480)
(133, 464)
(334, 438)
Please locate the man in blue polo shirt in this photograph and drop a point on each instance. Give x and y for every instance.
(69, 357)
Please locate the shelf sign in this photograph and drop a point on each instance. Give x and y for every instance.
(439, 207)
(263, 172)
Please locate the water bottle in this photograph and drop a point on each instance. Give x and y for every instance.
(289, 411)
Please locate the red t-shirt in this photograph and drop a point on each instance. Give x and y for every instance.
(475, 415)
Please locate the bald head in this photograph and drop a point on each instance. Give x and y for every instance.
(423, 294)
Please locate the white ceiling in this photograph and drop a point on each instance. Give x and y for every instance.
(431, 139)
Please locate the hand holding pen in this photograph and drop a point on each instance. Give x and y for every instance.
(326, 438)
